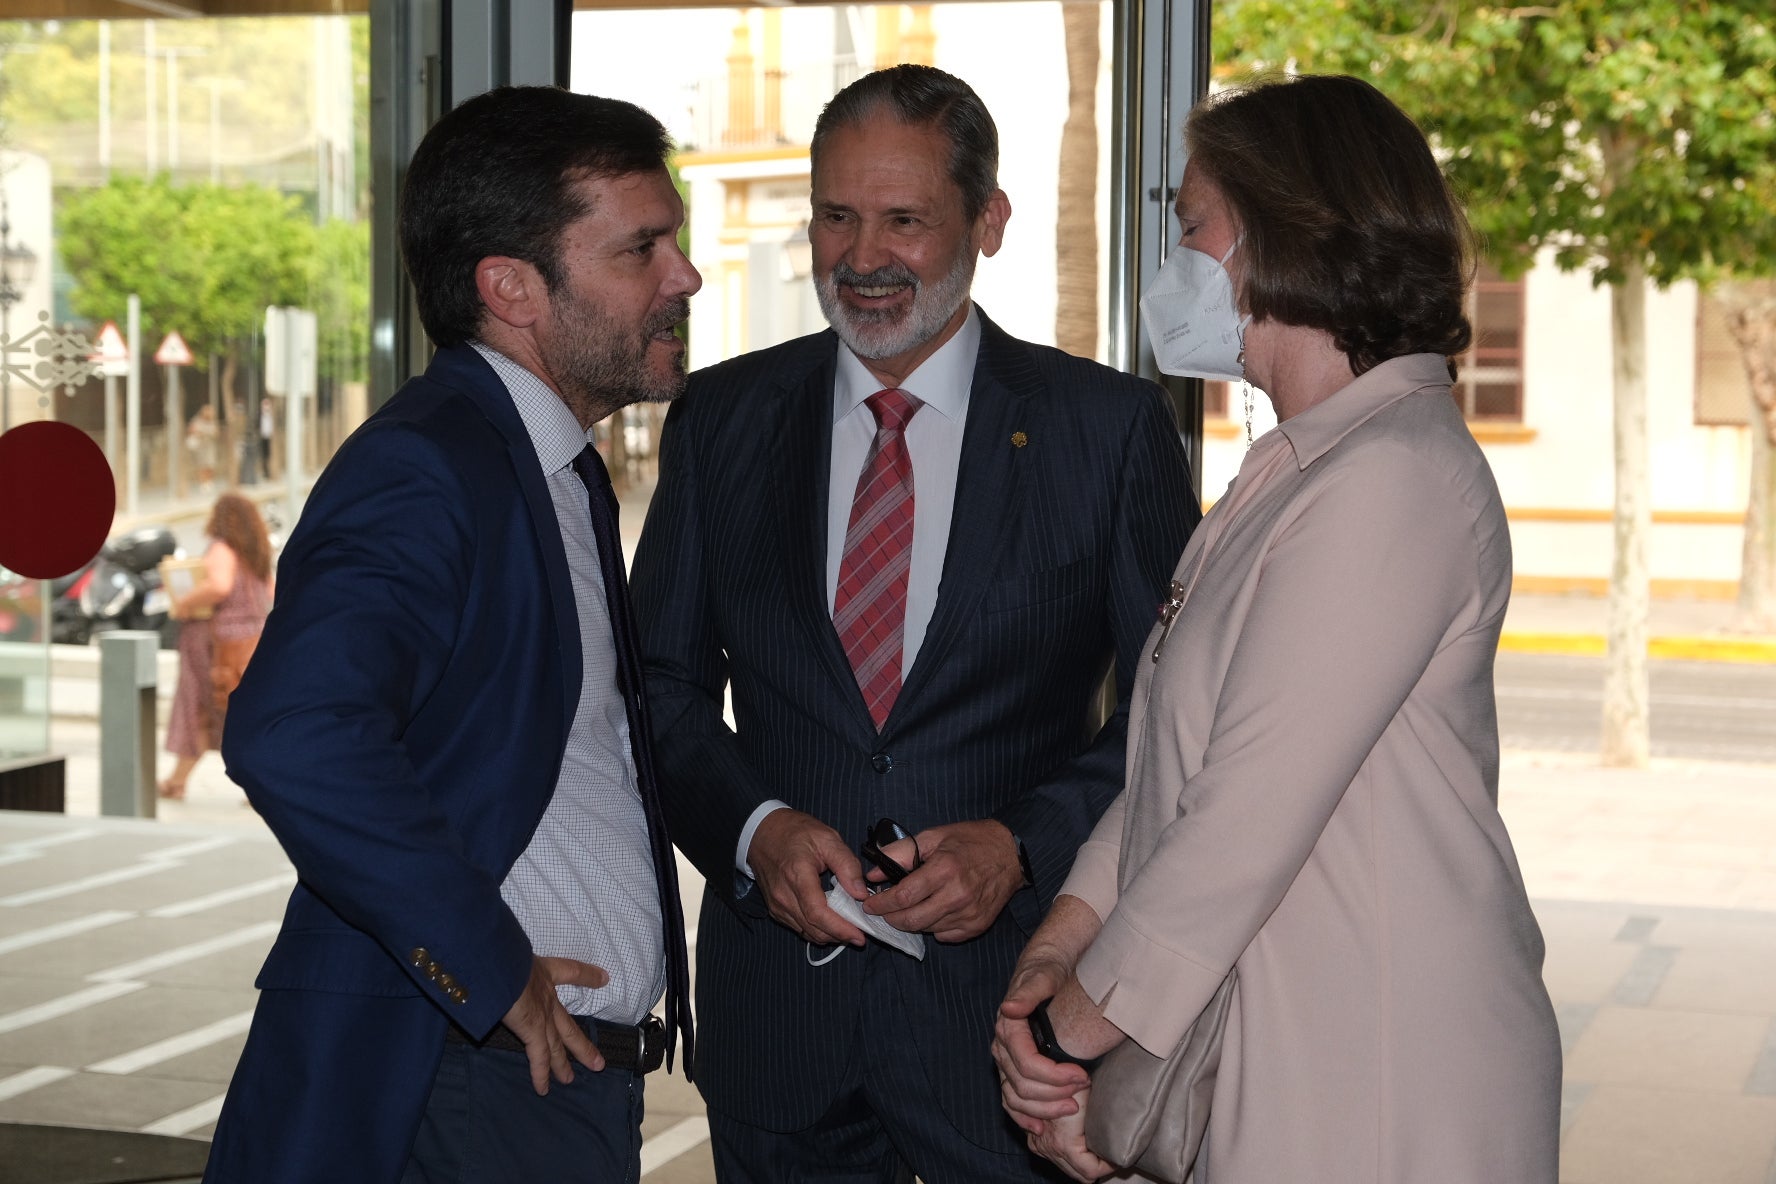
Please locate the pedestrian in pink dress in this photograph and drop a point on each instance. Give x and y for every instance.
(222, 618)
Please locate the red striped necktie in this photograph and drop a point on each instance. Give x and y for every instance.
(869, 611)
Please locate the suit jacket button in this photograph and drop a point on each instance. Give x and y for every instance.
(459, 996)
(420, 956)
(448, 982)
(881, 762)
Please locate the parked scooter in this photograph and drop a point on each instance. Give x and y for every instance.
(121, 590)
(67, 622)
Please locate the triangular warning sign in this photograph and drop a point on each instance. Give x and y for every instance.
(173, 351)
(110, 346)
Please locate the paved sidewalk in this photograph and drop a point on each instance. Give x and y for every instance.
(1656, 890)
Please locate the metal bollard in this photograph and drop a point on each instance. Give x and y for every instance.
(127, 675)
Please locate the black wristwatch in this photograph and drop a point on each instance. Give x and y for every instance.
(1042, 1031)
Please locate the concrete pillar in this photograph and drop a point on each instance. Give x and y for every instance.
(127, 675)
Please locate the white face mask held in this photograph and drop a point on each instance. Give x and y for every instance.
(1192, 319)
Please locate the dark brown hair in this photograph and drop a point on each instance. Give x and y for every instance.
(235, 520)
(1349, 224)
(497, 176)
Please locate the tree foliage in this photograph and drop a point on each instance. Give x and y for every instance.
(1637, 141)
(1608, 132)
(205, 260)
(341, 298)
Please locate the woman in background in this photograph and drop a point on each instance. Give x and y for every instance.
(222, 617)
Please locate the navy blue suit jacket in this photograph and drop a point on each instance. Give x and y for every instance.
(400, 728)
(1060, 549)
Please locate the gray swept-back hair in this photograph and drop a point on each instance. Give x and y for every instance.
(924, 95)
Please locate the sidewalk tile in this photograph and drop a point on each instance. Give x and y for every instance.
(1719, 979)
(106, 1100)
(1687, 1050)
(1668, 1136)
(1584, 972)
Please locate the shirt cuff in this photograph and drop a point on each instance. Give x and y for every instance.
(741, 863)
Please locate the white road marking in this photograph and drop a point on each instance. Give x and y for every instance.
(197, 949)
(24, 1017)
(673, 1142)
(116, 875)
(50, 840)
(174, 1046)
(198, 904)
(198, 847)
(49, 933)
(183, 1122)
(27, 849)
(30, 1079)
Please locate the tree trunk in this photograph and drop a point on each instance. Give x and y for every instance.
(1626, 733)
(1750, 309)
(1076, 218)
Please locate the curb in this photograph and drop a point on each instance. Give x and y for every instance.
(1747, 650)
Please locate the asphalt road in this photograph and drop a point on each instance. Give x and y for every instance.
(1700, 710)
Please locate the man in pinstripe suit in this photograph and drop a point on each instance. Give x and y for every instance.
(1024, 510)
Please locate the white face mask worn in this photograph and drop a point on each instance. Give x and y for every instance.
(1192, 318)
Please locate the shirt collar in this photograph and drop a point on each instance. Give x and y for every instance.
(554, 432)
(1314, 432)
(942, 381)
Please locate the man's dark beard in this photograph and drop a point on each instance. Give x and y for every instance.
(600, 368)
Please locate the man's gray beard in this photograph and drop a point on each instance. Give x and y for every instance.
(883, 334)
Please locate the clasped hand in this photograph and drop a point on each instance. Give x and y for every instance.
(1046, 1099)
(969, 871)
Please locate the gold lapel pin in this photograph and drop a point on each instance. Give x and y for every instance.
(1018, 439)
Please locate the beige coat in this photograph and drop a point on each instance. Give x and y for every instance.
(1312, 796)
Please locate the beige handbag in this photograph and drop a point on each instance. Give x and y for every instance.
(1149, 1113)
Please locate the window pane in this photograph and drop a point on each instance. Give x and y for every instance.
(1496, 400)
(1215, 400)
(213, 168)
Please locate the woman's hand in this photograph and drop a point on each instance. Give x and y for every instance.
(1033, 1088)
(1062, 1142)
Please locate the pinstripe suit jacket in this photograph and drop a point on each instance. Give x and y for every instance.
(1058, 554)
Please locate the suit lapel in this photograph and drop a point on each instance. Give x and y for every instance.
(473, 376)
(989, 495)
(801, 468)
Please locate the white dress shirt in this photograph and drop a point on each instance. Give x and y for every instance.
(942, 383)
(584, 888)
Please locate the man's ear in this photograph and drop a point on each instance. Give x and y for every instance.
(511, 290)
(991, 224)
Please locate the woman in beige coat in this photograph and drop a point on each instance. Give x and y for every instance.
(1313, 757)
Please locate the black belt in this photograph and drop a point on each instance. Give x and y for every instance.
(625, 1046)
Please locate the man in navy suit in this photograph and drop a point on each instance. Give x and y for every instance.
(437, 724)
(910, 548)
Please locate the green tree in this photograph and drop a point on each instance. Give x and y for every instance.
(205, 260)
(341, 298)
(1637, 141)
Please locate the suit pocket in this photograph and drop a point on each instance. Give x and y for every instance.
(1039, 587)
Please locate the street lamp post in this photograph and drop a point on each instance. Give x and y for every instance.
(18, 263)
